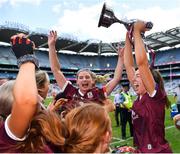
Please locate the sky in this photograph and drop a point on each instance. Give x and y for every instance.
(79, 18)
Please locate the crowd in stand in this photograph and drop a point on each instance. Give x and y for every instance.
(77, 120)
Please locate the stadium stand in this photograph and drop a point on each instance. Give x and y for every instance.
(167, 61)
(7, 56)
(167, 57)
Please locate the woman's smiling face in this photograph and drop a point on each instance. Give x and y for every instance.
(138, 85)
(84, 81)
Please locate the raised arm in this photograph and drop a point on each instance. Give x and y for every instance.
(128, 60)
(25, 90)
(141, 58)
(117, 74)
(54, 62)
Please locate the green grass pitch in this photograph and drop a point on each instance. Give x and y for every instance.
(172, 134)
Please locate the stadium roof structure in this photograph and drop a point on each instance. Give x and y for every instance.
(169, 38)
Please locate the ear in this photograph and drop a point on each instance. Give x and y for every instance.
(107, 137)
(105, 142)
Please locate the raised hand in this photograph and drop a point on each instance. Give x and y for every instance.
(140, 26)
(23, 49)
(52, 37)
(21, 45)
(54, 105)
(121, 53)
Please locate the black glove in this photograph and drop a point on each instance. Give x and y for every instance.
(21, 46)
(23, 49)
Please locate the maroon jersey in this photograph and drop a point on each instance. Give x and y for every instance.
(148, 122)
(76, 98)
(8, 145)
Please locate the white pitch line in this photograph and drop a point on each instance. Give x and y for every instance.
(169, 127)
(116, 138)
(120, 140)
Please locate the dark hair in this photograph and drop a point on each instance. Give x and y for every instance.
(125, 84)
(159, 80)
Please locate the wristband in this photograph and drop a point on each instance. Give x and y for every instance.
(28, 58)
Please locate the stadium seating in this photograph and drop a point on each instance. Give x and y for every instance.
(167, 56)
(166, 61)
(6, 56)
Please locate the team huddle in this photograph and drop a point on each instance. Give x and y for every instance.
(77, 119)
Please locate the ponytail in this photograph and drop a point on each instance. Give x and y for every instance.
(159, 80)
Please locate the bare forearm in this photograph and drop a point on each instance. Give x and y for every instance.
(141, 58)
(128, 56)
(128, 59)
(55, 67)
(140, 51)
(117, 76)
(25, 89)
(53, 58)
(25, 100)
(118, 71)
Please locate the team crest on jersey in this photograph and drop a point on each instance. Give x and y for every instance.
(134, 115)
(90, 95)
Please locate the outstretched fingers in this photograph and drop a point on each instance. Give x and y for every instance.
(21, 38)
(52, 37)
(53, 34)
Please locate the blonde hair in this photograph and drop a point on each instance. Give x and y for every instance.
(92, 74)
(6, 92)
(86, 125)
(96, 78)
(41, 78)
(6, 98)
(103, 78)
